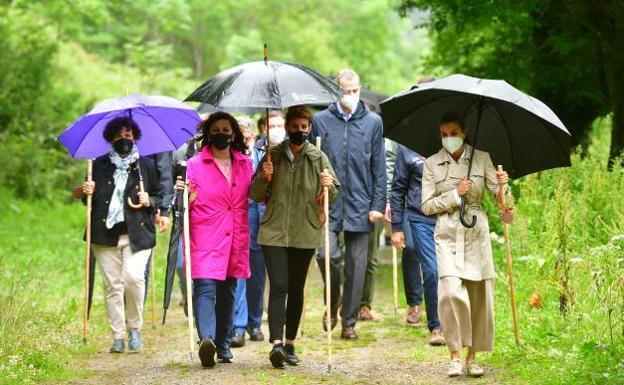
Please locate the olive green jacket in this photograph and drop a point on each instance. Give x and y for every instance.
(292, 216)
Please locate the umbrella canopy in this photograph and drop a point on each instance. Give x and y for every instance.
(266, 84)
(208, 109)
(172, 254)
(165, 123)
(519, 131)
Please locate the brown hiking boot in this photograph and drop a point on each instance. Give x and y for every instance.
(414, 316)
(365, 314)
(437, 338)
(348, 333)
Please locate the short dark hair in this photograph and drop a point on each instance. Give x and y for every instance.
(115, 125)
(204, 127)
(453, 117)
(295, 112)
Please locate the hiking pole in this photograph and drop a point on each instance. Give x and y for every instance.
(187, 263)
(512, 291)
(327, 278)
(305, 289)
(88, 254)
(395, 283)
(153, 285)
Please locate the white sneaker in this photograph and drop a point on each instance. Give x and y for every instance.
(473, 369)
(455, 368)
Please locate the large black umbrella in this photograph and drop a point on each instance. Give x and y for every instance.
(519, 131)
(266, 84)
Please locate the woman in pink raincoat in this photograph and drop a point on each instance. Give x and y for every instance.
(219, 179)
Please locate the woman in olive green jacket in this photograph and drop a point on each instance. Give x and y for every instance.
(291, 228)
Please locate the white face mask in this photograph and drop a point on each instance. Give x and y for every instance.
(452, 143)
(276, 135)
(349, 101)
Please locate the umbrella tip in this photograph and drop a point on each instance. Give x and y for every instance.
(266, 53)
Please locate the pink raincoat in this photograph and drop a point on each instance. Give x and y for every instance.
(219, 224)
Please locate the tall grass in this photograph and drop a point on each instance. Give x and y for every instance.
(568, 247)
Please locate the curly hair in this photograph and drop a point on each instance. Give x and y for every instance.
(204, 127)
(116, 125)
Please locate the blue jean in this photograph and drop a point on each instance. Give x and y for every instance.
(412, 278)
(424, 245)
(250, 292)
(213, 303)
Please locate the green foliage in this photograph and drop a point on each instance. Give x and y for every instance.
(567, 246)
(547, 49)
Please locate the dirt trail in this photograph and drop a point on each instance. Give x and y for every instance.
(388, 352)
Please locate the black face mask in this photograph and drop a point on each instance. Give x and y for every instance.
(297, 138)
(220, 141)
(123, 146)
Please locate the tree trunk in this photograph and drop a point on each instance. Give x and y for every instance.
(608, 19)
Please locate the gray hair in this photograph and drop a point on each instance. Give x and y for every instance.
(347, 73)
(245, 121)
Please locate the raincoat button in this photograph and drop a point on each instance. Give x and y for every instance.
(141, 223)
(103, 220)
(109, 182)
(106, 202)
(227, 234)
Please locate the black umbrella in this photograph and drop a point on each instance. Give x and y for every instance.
(172, 254)
(266, 84)
(519, 131)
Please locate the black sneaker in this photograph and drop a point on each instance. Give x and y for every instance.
(225, 355)
(291, 357)
(238, 339)
(277, 356)
(255, 334)
(207, 350)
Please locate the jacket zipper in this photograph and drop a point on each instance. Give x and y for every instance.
(344, 196)
(290, 189)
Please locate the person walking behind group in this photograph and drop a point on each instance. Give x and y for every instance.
(122, 237)
(249, 302)
(465, 265)
(406, 196)
(291, 227)
(352, 139)
(219, 179)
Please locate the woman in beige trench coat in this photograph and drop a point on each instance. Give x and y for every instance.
(464, 255)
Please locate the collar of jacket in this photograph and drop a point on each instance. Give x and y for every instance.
(260, 143)
(308, 150)
(359, 112)
(207, 155)
(445, 157)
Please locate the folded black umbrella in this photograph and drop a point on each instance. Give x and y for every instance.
(172, 254)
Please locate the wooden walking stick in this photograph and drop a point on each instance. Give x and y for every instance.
(327, 278)
(187, 263)
(507, 216)
(395, 283)
(305, 289)
(88, 254)
(153, 287)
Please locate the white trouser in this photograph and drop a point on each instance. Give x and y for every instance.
(124, 275)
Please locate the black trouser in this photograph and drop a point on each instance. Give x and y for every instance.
(287, 268)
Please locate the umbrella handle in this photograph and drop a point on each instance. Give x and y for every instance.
(462, 214)
(141, 189)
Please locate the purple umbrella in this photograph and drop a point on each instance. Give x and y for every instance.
(165, 123)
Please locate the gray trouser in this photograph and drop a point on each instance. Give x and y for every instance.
(355, 260)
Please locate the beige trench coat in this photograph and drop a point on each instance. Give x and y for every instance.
(461, 252)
